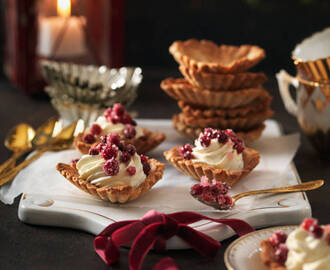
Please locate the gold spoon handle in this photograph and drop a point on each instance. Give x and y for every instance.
(300, 187)
(10, 175)
(10, 162)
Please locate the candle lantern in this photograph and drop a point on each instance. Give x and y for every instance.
(76, 31)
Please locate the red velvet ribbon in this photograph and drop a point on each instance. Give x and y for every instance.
(153, 229)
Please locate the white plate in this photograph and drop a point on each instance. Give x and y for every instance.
(49, 199)
(244, 253)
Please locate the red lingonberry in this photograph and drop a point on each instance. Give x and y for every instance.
(281, 253)
(131, 170)
(89, 138)
(127, 119)
(96, 129)
(307, 222)
(222, 137)
(225, 188)
(129, 131)
(229, 201)
(205, 141)
(209, 132)
(110, 151)
(125, 157)
(214, 190)
(113, 138)
(207, 196)
(316, 230)
(143, 158)
(74, 161)
(121, 145)
(114, 118)
(188, 155)
(93, 151)
(107, 113)
(118, 109)
(111, 167)
(221, 199)
(196, 190)
(130, 148)
(277, 238)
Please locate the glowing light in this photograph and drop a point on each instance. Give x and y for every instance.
(64, 8)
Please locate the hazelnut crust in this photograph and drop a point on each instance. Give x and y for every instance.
(221, 82)
(198, 169)
(144, 144)
(206, 56)
(120, 194)
(192, 133)
(181, 89)
(205, 112)
(267, 256)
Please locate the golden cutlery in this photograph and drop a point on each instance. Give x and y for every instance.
(63, 140)
(300, 187)
(37, 138)
(17, 140)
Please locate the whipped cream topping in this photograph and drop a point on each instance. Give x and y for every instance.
(307, 252)
(90, 168)
(217, 154)
(108, 127)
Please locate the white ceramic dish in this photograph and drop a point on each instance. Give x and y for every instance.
(244, 253)
(66, 206)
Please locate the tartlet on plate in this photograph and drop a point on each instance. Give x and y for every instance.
(114, 173)
(206, 56)
(218, 81)
(306, 247)
(218, 155)
(181, 89)
(192, 133)
(117, 120)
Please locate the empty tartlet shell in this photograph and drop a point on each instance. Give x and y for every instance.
(241, 123)
(206, 56)
(204, 112)
(197, 169)
(143, 144)
(218, 81)
(120, 194)
(267, 256)
(181, 89)
(192, 133)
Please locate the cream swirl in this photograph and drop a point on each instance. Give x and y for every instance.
(307, 252)
(220, 155)
(108, 127)
(90, 168)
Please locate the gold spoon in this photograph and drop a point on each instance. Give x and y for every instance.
(17, 140)
(61, 141)
(300, 187)
(36, 138)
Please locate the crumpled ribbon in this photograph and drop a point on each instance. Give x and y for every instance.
(153, 229)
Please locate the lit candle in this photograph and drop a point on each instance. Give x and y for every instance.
(62, 36)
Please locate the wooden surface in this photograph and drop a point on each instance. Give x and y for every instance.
(34, 247)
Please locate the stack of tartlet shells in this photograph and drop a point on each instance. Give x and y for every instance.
(217, 90)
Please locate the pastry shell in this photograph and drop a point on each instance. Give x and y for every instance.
(267, 256)
(198, 169)
(181, 89)
(207, 56)
(204, 112)
(193, 133)
(218, 81)
(120, 194)
(143, 144)
(246, 122)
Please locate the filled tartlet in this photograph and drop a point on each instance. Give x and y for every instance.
(113, 171)
(305, 248)
(117, 120)
(217, 154)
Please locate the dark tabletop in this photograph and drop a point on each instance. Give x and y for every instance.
(36, 247)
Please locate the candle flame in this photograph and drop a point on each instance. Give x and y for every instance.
(64, 8)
